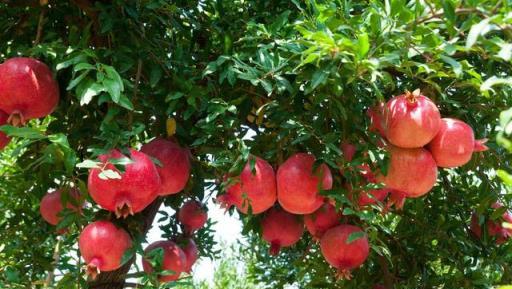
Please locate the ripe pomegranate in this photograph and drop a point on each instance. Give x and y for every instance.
(191, 253)
(52, 204)
(281, 229)
(102, 245)
(495, 228)
(341, 254)
(257, 191)
(27, 90)
(322, 220)
(175, 161)
(192, 215)
(136, 188)
(348, 150)
(174, 260)
(376, 115)
(298, 185)
(4, 139)
(454, 144)
(411, 120)
(372, 196)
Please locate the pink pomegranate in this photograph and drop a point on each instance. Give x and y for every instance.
(411, 120)
(175, 161)
(322, 220)
(192, 215)
(4, 139)
(52, 204)
(298, 186)
(102, 245)
(128, 192)
(454, 144)
(174, 260)
(376, 115)
(27, 90)
(190, 249)
(281, 229)
(341, 254)
(255, 190)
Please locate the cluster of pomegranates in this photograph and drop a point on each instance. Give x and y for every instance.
(27, 91)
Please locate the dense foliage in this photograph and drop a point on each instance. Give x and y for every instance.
(268, 78)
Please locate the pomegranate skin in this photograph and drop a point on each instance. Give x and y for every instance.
(412, 172)
(411, 120)
(281, 229)
(102, 245)
(192, 215)
(321, 220)
(175, 170)
(27, 90)
(51, 205)
(174, 259)
(256, 190)
(454, 144)
(4, 139)
(134, 191)
(342, 256)
(297, 184)
(191, 254)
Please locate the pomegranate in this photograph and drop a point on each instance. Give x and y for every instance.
(411, 120)
(175, 161)
(27, 90)
(102, 245)
(322, 220)
(128, 192)
(454, 144)
(348, 150)
(281, 229)
(341, 254)
(372, 196)
(376, 115)
(4, 139)
(52, 204)
(495, 228)
(174, 260)
(192, 215)
(191, 253)
(298, 185)
(255, 190)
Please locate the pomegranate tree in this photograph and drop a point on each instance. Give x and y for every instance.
(342, 253)
(411, 120)
(102, 245)
(173, 259)
(256, 190)
(369, 197)
(53, 203)
(128, 192)
(281, 229)
(27, 90)
(175, 164)
(4, 139)
(191, 253)
(454, 144)
(298, 185)
(192, 215)
(322, 220)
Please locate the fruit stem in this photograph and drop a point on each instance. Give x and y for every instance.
(480, 145)
(93, 268)
(275, 247)
(16, 119)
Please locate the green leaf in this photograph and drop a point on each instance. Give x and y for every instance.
(495, 81)
(457, 67)
(363, 44)
(113, 88)
(22, 132)
(109, 174)
(477, 30)
(355, 236)
(89, 164)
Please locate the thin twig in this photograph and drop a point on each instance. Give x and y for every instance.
(56, 257)
(40, 25)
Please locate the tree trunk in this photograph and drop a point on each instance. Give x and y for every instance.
(116, 279)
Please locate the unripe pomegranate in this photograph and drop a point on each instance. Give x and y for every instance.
(174, 260)
(27, 90)
(255, 190)
(376, 115)
(454, 144)
(191, 253)
(4, 139)
(175, 161)
(192, 215)
(411, 120)
(298, 185)
(136, 188)
(341, 254)
(52, 204)
(322, 220)
(102, 245)
(281, 229)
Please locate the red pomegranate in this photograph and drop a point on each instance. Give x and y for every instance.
(52, 204)
(128, 192)
(191, 253)
(454, 144)
(348, 150)
(175, 161)
(376, 115)
(192, 215)
(495, 228)
(372, 196)
(298, 185)
(27, 90)
(281, 229)
(4, 139)
(411, 120)
(255, 190)
(322, 220)
(174, 260)
(102, 245)
(341, 254)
